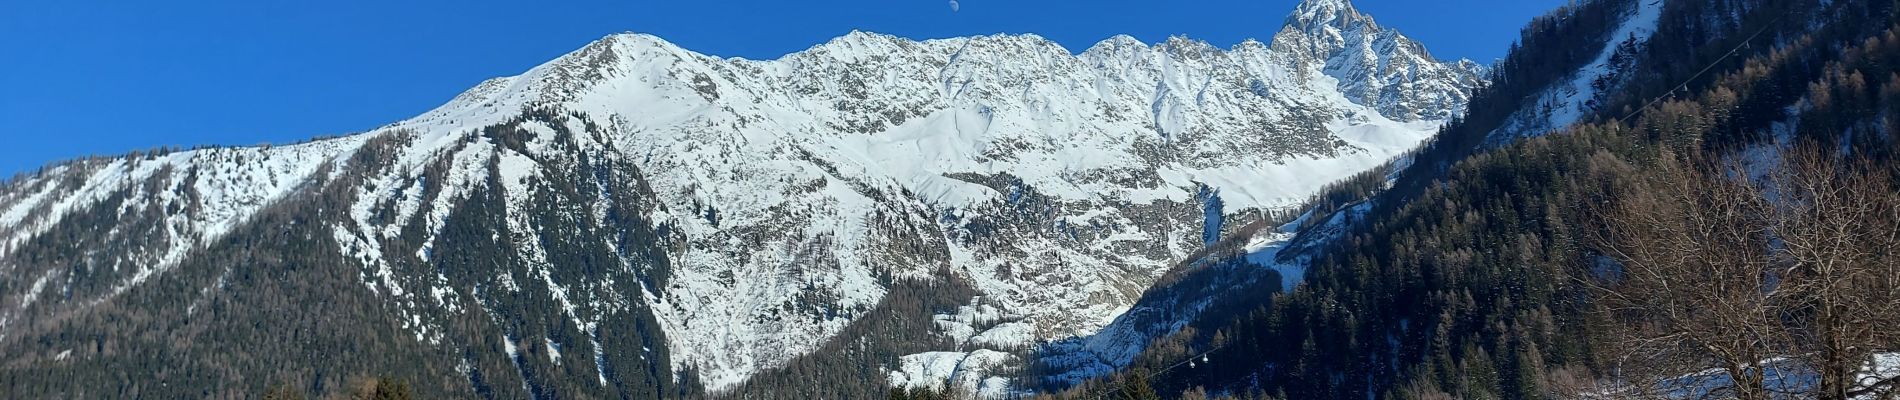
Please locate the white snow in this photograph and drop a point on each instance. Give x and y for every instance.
(1116, 345)
(1004, 336)
(807, 133)
(1264, 250)
(600, 358)
(816, 164)
(1565, 103)
(514, 357)
(968, 371)
(33, 292)
(1782, 375)
(224, 186)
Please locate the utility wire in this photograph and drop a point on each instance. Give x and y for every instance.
(1685, 83)
(1202, 356)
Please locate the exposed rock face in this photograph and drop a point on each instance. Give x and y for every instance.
(1375, 66)
(739, 212)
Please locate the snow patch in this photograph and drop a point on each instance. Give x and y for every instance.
(970, 372)
(1565, 103)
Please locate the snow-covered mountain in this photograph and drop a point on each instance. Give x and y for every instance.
(750, 210)
(1377, 66)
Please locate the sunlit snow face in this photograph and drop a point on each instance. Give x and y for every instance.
(1088, 159)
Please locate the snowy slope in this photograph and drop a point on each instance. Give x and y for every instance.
(1377, 66)
(1060, 185)
(1167, 309)
(204, 194)
(1567, 101)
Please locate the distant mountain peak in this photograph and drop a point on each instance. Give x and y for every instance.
(1336, 13)
(862, 37)
(637, 40)
(1375, 66)
(1056, 184)
(1326, 4)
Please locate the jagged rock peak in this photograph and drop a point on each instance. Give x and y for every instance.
(1057, 185)
(1336, 13)
(1183, 46)
(1375, 66)
(636, 41)
(858, 38)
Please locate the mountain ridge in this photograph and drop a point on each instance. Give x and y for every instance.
(635, 180)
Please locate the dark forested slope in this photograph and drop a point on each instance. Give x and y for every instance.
(1476, 272)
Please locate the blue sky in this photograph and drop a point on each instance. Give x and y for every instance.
(105, 77)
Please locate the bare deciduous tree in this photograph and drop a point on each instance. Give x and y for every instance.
(1686, 278)
(1725, 281)
(1837, 227)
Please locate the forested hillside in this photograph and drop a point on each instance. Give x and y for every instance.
(1644, 199)
(636, 219)
(1504, 264)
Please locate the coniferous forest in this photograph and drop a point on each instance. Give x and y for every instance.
(1721, 221)
(1738, 220)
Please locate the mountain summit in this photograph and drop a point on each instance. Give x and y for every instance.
(636, 218)
(1375, 66)
(1335, 13)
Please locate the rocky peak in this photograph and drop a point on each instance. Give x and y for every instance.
(1183, 47)
(1375, 66)
(862, 41)
(1063, 183)
(1118, 47)
(1341, 14)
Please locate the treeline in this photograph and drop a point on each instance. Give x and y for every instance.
(362, 388)
(1549, 49)
(854, 363)
(274, 305)
(284, 313)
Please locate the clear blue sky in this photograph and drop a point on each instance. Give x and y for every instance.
(105, 77)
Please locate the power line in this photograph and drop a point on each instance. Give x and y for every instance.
(1202, 356)
(1685, 83)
